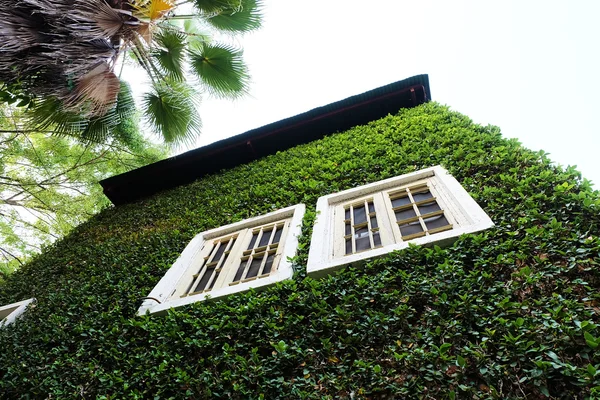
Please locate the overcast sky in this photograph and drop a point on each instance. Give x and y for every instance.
(529, 67)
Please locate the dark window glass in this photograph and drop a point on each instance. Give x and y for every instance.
(363, 243)
(253, 241)
(371, 207)
(204, 280)
(348, 246)
(266, 235)
(269, 264)
(347, 214)
(360, 215)
(376, 239)
(220, 251)
(278, 232)
(405, 214)
(254, 266)
(436, 222)
(374, 222)
(401, 201)
(411, 228)
(347, 230)
(422, 195)
(240, 271)
(429, 207)
(361, 232)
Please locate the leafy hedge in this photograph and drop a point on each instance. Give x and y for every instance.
(509, 313)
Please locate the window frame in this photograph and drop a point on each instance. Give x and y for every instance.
(168, 292)
(13, 311)
(461, 211)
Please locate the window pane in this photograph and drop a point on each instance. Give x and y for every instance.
(204, 280)
(253, 241)
(254, 266)
(360, 215)
(401, 201)
(374, 222)
(376, 239)
(436, 222)
(361, 232)
(363, 243)
(422, 195)
(278, 234)
(429, 207)
(269, 264)
(266, 235)
(220, 251)
(371, 207)
(240, 271)
(411, 228)
(347, 214)
(405, 214)
(347, 229)
(348, 246)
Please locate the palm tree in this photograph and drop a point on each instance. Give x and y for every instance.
(61, 59)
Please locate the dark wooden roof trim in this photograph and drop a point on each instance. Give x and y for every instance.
(257, 143)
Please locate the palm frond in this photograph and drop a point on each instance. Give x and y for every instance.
(247, 17)
(97, 91)
(170, 52)
(152, 9)
(209, 7)
(171, 110)
(221, 69)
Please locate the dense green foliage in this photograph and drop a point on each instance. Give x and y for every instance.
(512, 312)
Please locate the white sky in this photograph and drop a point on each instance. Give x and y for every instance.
(531, 67)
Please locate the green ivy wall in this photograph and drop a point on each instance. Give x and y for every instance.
(510, 313)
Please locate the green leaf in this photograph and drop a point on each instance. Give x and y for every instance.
(244, 17)
(591, 340)
(460, 361)
(221, 69)
(171, 109)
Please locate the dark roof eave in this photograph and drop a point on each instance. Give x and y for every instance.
(257, 143)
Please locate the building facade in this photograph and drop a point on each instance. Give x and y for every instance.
(418, 255)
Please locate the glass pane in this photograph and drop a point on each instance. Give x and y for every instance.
(266, 236)
(220, 251)
(204, 280)
(411, 228)
(429, 207)
(348, 246)
(376, 239)
(269, 264)
(436, 222)
(212, 284)
(405, 214)
(363, 243)
(240, 271)
(360, 215)
(347, 214)
(422, 195)
(374, 222)
(401, 201)
(371, 207)
(253, 241)
(347, 229)
(278, 232)
(361, 232)
(254, 266)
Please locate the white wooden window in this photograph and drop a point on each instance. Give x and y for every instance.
(10, 312)
(248, 254)
(427, 206)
